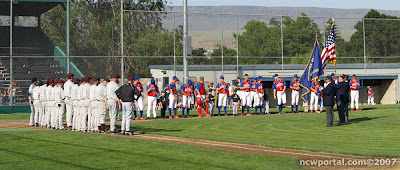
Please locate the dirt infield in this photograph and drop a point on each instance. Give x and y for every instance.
(322, 157)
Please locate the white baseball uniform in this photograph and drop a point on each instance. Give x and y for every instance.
(59, 107)
(37, 104)
(85, 104)
(68, 102)
(50, 106)
(222, 96)
(32, 117)
(75, 104)
(43, 99)
(112, 102)
(100, 106)
(354, 93)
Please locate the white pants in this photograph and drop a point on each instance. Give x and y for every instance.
(54, 115)
(266, 106)
(371, 100)
(113, 111)
(151, 104)
(246, 101)
(75, 118)
(210, 107)
(281, 97)
(186, 101)
(354, 98)
(85, 108)
(99, 112)
(127, 108)
(295, 97)
(222, 99)
(314, 101)
(49, 113)
(42, 120)
(70, 112)
(139, 104)
(253, 96)
(258, 101)
(172, 102)
(59, 112)
(37, 104)
(32, 118)
(235, 107)
(92, 116)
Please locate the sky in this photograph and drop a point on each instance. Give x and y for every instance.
(345, 4)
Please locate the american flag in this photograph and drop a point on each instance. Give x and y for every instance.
(329, 53)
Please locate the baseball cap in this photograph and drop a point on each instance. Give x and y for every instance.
(88, 78)
(174, 78)
(70, 75)
(39, 83)
(107, 80)
(60, 81)
(189, 81)
(130, 78)
(222, 77)
(295, 75)
(76, 80)
(255, 78)
(137, 78)
(95, 79)
(237, 77)
(51, 81)
(333, 74)
(210, 89)
(152, 81)
(116, 76)
(163, 91)
(235, 90)
(259, 77)
(275, 75)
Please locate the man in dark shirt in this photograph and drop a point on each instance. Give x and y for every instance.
(329, 100)
(126, 94)
(342, 89)
(163, 104)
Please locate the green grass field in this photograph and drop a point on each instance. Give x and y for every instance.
(372, 132)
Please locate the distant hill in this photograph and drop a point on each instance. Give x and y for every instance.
(205, 29)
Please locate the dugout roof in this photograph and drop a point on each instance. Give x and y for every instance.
(28, 7)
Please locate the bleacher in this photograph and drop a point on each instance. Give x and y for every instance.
(27, 41)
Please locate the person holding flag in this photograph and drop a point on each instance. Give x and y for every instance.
(279, 86)
(294, 86)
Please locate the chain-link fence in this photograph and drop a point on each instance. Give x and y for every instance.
(95, 43)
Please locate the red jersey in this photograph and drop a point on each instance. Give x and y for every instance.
(188, 89)
(139, 86)
(172, 87)
(260, 88)
(246, 84)
(279, 84)
(369, 92)
(315, 86)
(295, 84)
(221, 85)
(354, 84)
(202, 89)
(153, 90)
(253, 87)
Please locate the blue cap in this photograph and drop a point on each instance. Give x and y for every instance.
(189, 81)
(222, 77)
(255, 78)
(295, 75)
(136, 78)
(152, 81)
(275, 75)
(333, 74)
(259, 77)
(174, 78)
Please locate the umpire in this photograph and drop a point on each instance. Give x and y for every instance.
(329, 100)
(126, 94)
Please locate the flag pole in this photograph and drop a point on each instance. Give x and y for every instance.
(334, 62)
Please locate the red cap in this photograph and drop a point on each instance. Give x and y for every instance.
(60, 81)
(76, 80)
(115, 76)
(70, 75)
(130, 78)
(95, 79)
(107, 80)
(83, 79)
(51, 81)
(87, 78)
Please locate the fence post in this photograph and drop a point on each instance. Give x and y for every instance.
(67, 38)
(365, 55)
(122, 41)
(174, 48)
(237, 45)
(282, 42)
(222, 47)
(11, 101)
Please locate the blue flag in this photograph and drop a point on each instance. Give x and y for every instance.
(313, 70)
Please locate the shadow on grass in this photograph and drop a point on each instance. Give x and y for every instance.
(358, 120)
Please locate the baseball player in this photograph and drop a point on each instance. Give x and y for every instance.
(245, 85)
(370, 96)
(253, 92)
(210, 100)
(113, 102)
(294, 86)
(139, 101)
(50, 104)
(59, 97)
(266, 102)
(92, 125)
(354, 87)
(54, 115)
(222, 89)
(173, 98)
(279, 87)
(236, 102)
(259, 90)
(152, 93)
(43, 99)
(68, 102)
(85, 103)
(201, 97)
(315, 91)
(37, 104)
(75, 103)
(187, 91)
(101, 105)
(30, 91)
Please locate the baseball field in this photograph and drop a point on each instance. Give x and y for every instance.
(249, 142)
